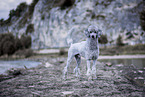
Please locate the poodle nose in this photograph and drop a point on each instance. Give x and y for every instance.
(93, 36)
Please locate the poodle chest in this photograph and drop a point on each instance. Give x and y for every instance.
(92, 54)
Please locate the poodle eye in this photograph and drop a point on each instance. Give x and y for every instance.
(90, 31)
(95, 32)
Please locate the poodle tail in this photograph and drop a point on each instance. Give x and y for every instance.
(69, 36)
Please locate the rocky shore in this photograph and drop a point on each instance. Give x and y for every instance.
(46, 80)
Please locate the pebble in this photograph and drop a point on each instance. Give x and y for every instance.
(67, 93)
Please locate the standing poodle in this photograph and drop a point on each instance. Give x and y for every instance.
(88, 49)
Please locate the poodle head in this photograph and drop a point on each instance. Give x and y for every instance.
(93, 32)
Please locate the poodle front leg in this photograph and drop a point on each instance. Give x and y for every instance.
(94, 69)
(88, 67)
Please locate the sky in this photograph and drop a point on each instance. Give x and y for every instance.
(7, 5)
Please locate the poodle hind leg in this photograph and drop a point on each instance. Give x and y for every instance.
(69, 59)
(77, 68)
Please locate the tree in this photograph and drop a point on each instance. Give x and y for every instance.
(142, 19)
(18, 44)
(30, 28)
(66, 4)
(26, 41)
(7, 42)
(103, 39)
(10, 44)
(20, 8)
(119, 41)
(8, 48)
(1, 22)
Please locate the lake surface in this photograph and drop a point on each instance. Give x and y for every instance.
(138, 63)
(6, 65)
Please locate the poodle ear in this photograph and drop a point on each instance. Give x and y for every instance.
(87, 33)
(99, 32)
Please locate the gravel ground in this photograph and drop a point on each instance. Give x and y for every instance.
(46, 80)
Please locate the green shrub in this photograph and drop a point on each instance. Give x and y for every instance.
(142, 19)
(30, 28)
(18, 44)
(103, 39)
(20, 8)
(7, 36)
(130, 35)
(7, 42)
(26, 53)
(67, 3)
(1, 37)
(11, 14)
(18, 12)
(0, 50)
(119, 41)
(15, 71)
(32, 6)
(8, 48)
(62, 51)
(26, 41)
(42, 17)
(1, 22)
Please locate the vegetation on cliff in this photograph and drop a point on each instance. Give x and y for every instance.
(22, 10)
(142, 19)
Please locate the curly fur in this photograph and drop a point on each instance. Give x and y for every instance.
(88, 49)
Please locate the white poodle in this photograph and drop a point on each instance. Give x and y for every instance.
(88, 49)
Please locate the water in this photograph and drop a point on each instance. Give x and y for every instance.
(138, 63)
(6, 65)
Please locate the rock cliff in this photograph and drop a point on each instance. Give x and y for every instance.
(51, 20)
